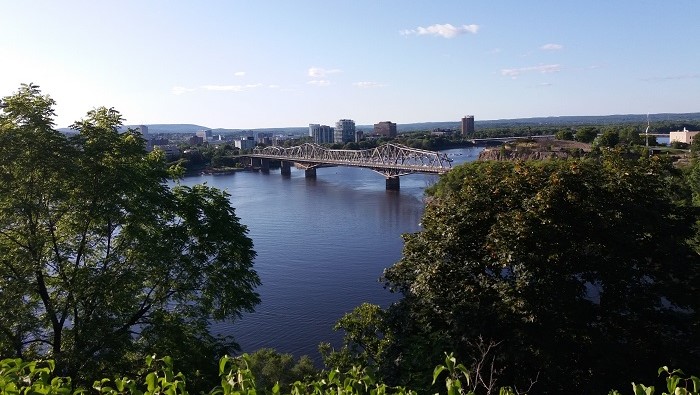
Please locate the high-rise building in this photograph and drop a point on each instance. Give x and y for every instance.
(321, 133)
(344, 131)
(143, 129)
(204, 134)
(386, 128)
(467, 125)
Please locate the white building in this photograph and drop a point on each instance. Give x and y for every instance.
(244, 143)
(344, 131)
(683, 136)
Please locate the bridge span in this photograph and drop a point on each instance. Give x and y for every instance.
(390, 160)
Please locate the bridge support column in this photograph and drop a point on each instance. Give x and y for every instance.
(393, 183)
(265, 165)
(310, 173)
(286, 168)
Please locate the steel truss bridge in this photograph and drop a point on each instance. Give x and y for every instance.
(390, 160)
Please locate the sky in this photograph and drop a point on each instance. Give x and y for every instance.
(265, 64)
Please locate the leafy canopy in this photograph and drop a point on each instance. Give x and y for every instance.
(101, 262)
(580, 271)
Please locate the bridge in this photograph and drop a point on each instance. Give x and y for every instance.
(390, 160)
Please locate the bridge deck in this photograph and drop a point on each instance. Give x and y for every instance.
(391, 160)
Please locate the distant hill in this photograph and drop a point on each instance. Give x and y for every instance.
(409, 127)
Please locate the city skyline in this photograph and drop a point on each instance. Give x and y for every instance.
(268, 64)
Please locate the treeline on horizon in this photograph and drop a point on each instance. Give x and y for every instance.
(560, 276)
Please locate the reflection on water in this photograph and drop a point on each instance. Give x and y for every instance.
(321, 247)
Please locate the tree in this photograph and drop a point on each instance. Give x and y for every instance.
(609, 138)
(110, 263)
(586, 134)
(564, 134)
(580, 270)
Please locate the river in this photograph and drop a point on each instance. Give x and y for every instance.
(321, 245)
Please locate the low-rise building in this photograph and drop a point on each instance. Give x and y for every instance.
(683, 136)
(171, 150)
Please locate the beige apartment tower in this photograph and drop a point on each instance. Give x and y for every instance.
(467, 125)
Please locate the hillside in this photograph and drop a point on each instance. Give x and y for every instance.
(410, 127)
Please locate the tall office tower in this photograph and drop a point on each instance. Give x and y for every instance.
(344, 131)
(468, 125)
(205, 134)
(386, 128)
(321, 133)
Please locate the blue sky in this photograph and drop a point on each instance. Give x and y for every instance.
(258, 64)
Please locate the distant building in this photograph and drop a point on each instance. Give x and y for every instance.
(468, 125)
(344, 131)
(683, 136)
(321, 133)
(386, 128)
(194, 140)
(244, 143)
(204, 134)
(143, 129)
(359, 134)
(171, 150)
(441, 132)
(264, 138)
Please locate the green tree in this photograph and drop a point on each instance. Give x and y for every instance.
(271, 367)
(580, 270)
(110, 263)
(564, 134)
(586, 134)
(630, 135)
(609, 138)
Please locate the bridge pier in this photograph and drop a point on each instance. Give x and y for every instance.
(310, 173)
(393, 183)
(286, 168)
(265, 165)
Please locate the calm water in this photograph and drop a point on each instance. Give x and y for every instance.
(321, 247)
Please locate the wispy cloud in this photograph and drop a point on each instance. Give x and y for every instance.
(544, 69)
(178, 90)
(495, 51)
(673, 77)
(239, 73)
(319, 82)
(368, 84)
(447, 30)
(230, 88)
(552, 47)
(318, 72)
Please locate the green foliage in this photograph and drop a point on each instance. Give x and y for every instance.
(586, 134)
(564, 134)
(568, 265)
(364, 341)
(609, 138)
(110, 263)
(237, 378)
(271, 368)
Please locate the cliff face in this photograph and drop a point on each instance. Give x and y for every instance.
(536, 150)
